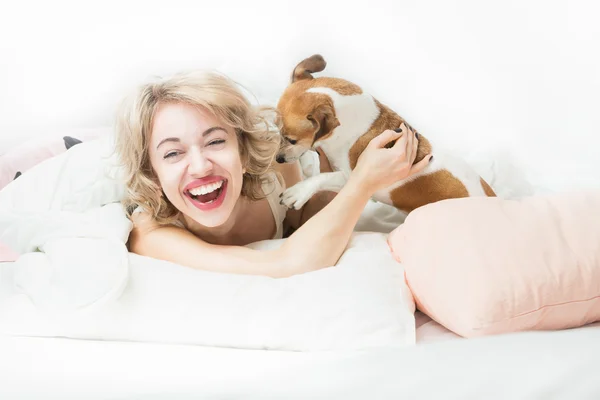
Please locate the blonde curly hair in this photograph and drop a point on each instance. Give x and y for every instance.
(256, 130)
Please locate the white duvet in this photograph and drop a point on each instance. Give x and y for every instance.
(65, 220)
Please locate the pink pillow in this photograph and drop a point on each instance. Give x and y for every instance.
(485, 265)
(6, 254)
(27, 155)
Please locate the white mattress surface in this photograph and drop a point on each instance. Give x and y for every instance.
(533, 365)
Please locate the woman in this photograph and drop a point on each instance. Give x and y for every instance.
(202, 180)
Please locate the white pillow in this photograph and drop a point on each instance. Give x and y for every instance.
(361, 303)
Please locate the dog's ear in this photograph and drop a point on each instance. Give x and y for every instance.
(307, 67)
(324, 120)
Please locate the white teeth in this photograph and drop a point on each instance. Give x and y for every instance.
(205, 189)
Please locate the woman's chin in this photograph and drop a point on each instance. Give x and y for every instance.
(211, 218)
(214, 214)
(213, 221)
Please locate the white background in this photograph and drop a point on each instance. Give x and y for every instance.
(523, 76)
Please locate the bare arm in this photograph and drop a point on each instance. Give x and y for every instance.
(317, 244)
(321, 240)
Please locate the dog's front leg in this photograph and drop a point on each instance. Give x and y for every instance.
(296, 196)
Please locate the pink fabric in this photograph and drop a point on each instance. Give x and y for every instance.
(33, 152)
(482, 266)
(6, 254)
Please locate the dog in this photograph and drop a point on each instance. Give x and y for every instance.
(340, 118)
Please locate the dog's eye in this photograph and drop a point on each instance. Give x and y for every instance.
(291, 141)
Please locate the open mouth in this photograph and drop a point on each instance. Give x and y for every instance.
(208, 196)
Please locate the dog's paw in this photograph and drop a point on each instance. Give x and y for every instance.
(296, 196)
(309, 162)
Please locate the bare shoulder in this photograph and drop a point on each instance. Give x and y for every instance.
(143, 221)
(143, 224)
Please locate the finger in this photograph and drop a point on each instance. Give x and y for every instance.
(415, 149)
(400, 145)
(420, 166)
(384, 138)
(405, 131)
(401, 130)
(410, 140)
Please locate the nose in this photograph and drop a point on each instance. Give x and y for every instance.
(280, 159)
(199, 164)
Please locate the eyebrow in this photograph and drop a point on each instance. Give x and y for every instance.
(204, 134)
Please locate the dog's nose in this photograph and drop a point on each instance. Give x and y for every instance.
(280, 159)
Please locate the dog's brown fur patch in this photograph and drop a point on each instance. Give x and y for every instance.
(299, 88)
(323, 119)
(341, 86)
(427, 189)
(387, 119)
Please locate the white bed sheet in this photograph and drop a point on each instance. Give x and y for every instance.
(532, 365)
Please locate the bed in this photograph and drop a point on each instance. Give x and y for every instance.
(323, 354)
(471, 85)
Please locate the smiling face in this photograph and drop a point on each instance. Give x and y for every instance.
(197, 161)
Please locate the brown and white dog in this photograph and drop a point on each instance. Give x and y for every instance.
(341, 118)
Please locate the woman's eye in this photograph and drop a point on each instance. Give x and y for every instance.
(216, 142)
(170, 154)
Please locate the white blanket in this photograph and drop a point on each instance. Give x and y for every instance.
(65, 220)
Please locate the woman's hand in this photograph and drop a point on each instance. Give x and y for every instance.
(379, 167)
